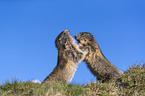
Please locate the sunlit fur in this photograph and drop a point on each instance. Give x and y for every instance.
(69, 55)
(96, 61)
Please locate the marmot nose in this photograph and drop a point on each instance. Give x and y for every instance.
(66, 31)
(77, 37)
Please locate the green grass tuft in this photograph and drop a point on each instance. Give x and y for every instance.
(134, 76)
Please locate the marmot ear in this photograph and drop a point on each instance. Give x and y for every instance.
(89, 38)
(92, 39)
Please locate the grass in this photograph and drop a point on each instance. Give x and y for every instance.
(134, 76)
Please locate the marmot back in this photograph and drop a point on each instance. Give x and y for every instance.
(69, 55)
(96, 61)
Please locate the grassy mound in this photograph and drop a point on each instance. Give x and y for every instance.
(134, 76)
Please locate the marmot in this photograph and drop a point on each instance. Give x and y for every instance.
(69, 55)
(96, 61)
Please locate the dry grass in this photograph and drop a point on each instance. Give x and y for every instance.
(134, 76)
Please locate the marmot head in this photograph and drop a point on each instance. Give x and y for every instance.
(66, 45)
(86, 41)
(63, 40)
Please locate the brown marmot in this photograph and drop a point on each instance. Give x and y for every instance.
(96, 61)
(69, 55)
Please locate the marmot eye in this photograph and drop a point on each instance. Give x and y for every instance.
(84, 45)
(79, 41)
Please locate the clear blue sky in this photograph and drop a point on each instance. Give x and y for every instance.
(28, 29)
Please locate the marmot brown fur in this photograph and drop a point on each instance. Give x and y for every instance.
(96, 61)
(69, 55)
